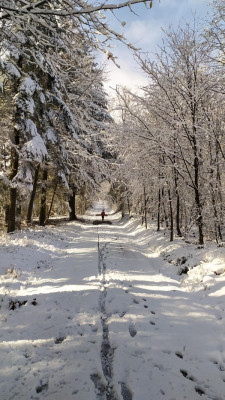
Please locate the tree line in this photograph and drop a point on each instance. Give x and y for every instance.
(171, 149)
(58, 142)
(53, 106)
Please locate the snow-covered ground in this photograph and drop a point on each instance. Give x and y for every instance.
(105, 313)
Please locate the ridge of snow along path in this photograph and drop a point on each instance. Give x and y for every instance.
(101, 313)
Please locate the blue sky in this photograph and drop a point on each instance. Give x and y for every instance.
(144, 30)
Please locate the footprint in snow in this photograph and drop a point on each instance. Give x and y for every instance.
(99, 385)
(186, 375)
(179, 354)
(199, 390)
(122, 314)
(221, 366)
(132, 330)
(41, 387)
(59, 339)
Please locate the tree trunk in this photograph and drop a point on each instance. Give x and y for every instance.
(42, 216)
(12, 210)
(171, 215)
(218, 180)
(145, 208)
(72, 204)
(13, 191)
(52, 201)
(199, 219)
(32, 197)
(218, 233)
(164, 208)
(177, 204)
(128, 205)
(159, 207)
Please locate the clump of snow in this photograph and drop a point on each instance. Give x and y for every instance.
(28, 86)
(31, 128)
(9, 68)
(23, 176)
(21, 37)
(64, 179)
(34, 150)
(1, 85)
(50, 135)
(4, 178)
(42, 98)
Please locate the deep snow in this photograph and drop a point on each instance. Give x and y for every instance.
(107, 315)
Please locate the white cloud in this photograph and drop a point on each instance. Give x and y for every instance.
(127, 75)
(144, 33)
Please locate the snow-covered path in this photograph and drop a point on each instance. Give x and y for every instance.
(107, 317)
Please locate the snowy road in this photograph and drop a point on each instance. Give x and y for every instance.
(107, 318)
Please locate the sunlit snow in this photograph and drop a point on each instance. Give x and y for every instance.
(99, 312)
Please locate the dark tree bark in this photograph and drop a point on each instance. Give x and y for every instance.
(213, 189)
(42, 216)
(128, 205)
(52, 201)
(72, 205)
(13, 191)
(171, 215)
(219, 186)
(145, 208)
(164, 208)
(158, 212)
(32, 197)
(177, 204)
(198, 203)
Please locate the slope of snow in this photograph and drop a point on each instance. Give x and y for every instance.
(101, 313)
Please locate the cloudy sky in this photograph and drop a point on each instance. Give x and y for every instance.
(144, 30)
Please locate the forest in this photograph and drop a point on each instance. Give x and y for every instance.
(163, 153)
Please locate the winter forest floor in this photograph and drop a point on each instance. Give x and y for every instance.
(104, 313)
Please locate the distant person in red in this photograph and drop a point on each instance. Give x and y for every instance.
(103, 215)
